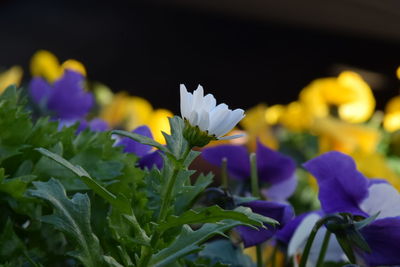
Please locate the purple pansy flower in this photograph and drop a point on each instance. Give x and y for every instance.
(66, 98)
(95, 125)
(274, 169)
(278, 211)
(148, 157)
(344, 189)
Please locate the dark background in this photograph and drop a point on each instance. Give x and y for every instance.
(149, 47)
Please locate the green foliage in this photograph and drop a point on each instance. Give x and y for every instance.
(72, 217)
(71, 199)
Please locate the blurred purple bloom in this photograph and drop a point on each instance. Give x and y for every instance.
(66, 98)
(147, 156)
(274, 168)
(95, 125)
(283, 213)
(343, 189)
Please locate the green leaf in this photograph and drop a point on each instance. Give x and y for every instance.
(81, 173)
(215, 214)
(10, 244)
(225, 252)
(189, 193)
(141, 139)
(189, 241)
(16, 186)
(176, 143)
(72, 217)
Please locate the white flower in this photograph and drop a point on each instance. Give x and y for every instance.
(201, 111)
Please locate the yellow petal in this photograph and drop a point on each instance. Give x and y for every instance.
(256, 127)
(362, 108)
(342, 136)
(158, 123)
(296, 117)
(115, 113)
(138, 112)
(11, 76)
(45, 64)
(375, 166)
(274, 113)
(72, 64)
(391, 121)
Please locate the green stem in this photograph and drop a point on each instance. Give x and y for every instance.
(324, 248)
(256, 192)
(312, 235)
(273, 256)
(147, 252)
(224, 173)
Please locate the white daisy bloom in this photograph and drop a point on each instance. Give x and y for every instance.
(202, 111)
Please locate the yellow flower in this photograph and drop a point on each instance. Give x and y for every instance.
(130, 112)
(296, 117)
(256, 126)
(338, 135)
(362, 108)
(348, 92)
(45, 64)
(11, 76)
(391, 121)
(374, 165)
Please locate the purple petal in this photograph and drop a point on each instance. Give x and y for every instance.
(341, 186)
(39, 90)
(238, 159)
(280, 191)
(69, 100)
(95, 125)
(131, 146)
(287, 231)
(273, 167)
(151, 159)
(278, 211)
(383, 237)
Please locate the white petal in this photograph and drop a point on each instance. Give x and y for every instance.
(301, 234)
(198, 98)
(209, 102)
(300, 237)
(185, 101)
(217, 116)
(204, 120)
(230, 137)
(230, 121)
(382, 198)
(194, 118)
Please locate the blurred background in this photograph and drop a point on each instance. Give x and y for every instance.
(244, 52)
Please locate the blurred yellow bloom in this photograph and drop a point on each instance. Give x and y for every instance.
(103, 94)
(256, 126)
(296, 117)
(338, 135)
(349, 92)
(362, 108)
(45, 64)
(267, 252)
(11, 76)
(398, 72)
(274, 113)
(374, 165)
(391, 120)
(130, 112)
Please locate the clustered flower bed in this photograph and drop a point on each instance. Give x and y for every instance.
(93, 178)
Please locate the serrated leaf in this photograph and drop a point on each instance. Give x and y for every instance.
(141, 139)
(189, 193)
(215, 214)
(176, 143)
(189, 241)
(71, 216)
